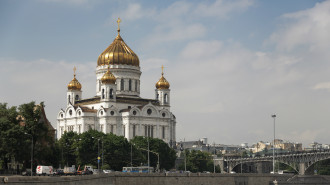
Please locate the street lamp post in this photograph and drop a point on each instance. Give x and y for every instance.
(148, 154)
(102, 152)
(241, 160)
(214, 158)
(131, 155)
(31, 153)
(274, 116)
(98, 155)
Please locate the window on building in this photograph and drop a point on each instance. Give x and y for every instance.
(157, 96)
(165, 98)
(122, 84)
(111, 93)
(77, 97)
(146, 131)
(111, 129)
(79, 127)
(130, 85)
(163, 132)
(136, 85)
(152, 131)
(69, 97)
(134, 127)
(102, 93)
(124, 130)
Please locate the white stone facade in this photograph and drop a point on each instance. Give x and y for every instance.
(125, 113)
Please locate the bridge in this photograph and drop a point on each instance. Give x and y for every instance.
(301, 162)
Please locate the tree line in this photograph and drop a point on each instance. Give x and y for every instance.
(21, 125)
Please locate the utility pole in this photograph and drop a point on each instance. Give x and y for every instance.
(148, 153)
(214, 157)
(274, 116)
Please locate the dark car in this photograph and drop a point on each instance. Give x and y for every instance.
(58, 172)
(28, 173)
(87, 172)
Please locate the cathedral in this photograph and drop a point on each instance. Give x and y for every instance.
(117, 106)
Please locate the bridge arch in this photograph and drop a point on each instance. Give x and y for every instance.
(312, 164)
(299, 161)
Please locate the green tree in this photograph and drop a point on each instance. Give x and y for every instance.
(87, 145)
(11, 140)
(167, 155)
(68, 149)
(35, 126)
(198, 161)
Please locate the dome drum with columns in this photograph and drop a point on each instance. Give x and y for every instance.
(117, 107)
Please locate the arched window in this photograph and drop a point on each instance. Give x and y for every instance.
(122, 84)
(157, 96)
(130, 85)
(102, 93)
(69, 97)
(136, 85)
(165, 98)
(111, 93)
(77, 97)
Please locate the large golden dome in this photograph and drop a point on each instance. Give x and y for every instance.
(74, 84)
(108, 78)
(162, 82)
(118, 53)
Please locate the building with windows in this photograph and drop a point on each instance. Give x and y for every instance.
(117, 107)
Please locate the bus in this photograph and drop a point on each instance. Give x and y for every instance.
(138, 169)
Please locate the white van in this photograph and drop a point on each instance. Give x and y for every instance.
(44, 170)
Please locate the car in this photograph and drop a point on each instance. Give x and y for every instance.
(58, 172)
(107, 171)
(28, 173)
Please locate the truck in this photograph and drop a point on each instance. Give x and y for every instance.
(44, 170)
(70, 170)
(90, 168)
(86, 171)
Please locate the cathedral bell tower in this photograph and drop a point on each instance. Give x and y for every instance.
(74, 90)
(124, 65)
(108, 86)
(162, 90)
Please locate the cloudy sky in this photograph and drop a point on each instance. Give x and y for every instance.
(231, 64)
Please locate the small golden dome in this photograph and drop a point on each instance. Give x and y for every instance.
(74, 84)
(162, 82)
(108, 78)
(118, 53)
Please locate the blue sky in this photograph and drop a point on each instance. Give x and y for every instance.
(231, 64)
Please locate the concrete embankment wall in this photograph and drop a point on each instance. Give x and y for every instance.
(149, 179)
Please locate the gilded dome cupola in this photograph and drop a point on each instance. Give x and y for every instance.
(74, 84)
(162, 82)
(118, 53)
(108, 77)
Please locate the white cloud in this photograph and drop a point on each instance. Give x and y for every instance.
(222, 8)
(43, 80)
(71, 2)
(134, 12)
(322, 86)
(176, 22)
(305, 29)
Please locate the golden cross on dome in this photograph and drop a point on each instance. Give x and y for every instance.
(162, 69)
(118, 22)
(74, 70)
